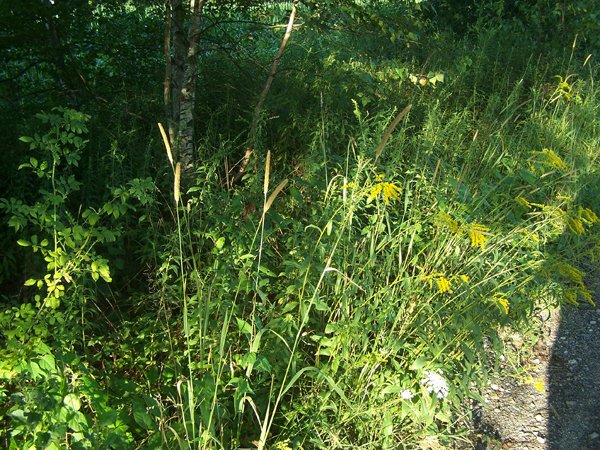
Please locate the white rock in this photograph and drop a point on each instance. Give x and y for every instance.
(539, 417)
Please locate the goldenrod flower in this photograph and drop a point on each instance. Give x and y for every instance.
(375, 191)
(501, 301)
(589, 215)
(443, 284)
(554, 160)
(575, 225)
(523, 201)
(464, 278)
(389, 190)
(571, 297)
(476, 233)
(443, 219)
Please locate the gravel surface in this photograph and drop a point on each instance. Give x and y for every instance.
(555, 404)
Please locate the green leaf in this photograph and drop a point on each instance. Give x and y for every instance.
(105, 273)
(388, 424)
(141, 416)
(391, 389)
(18, 414)
(26, 139)
(266, 270)
(72, 401)
(108, 418)
(418, 363)
(23, 243)
(244, 326)
(30, 282)
(262, 364)
(93, 218)
(47, 363)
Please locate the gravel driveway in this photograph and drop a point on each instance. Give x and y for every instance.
(555, 404)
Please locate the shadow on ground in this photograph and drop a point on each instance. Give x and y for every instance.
(574, 380)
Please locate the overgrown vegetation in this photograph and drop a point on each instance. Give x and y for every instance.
(421, 179)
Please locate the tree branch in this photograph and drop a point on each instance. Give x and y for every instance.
(265, 91)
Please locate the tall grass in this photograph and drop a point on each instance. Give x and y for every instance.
(357, 309)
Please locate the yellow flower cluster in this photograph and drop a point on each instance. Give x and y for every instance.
(443, 283)
(443, 219)
(390, 191)
(523, 202)
(477, 233)
(502, 302)
(575, 221)
(553, 159)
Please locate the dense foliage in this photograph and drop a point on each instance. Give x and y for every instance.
(343, 263)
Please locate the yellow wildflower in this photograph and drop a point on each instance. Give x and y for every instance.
(390, 191)
(522, 201)
(501, 301)
(443, 284)
(575, 225)
(443, 219)
(539, 385)
(589, 215)
(554, 160)
(375, 191)
(533, 236)
(571, 297)
(464, 278)
(477, 235)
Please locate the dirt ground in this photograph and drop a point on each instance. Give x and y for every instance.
(555, 403)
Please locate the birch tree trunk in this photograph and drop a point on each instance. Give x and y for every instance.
(185, 144)
(181, 54)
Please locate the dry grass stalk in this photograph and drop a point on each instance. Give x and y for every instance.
(390, 130)
(273, 196)
(177, 183)
(166, 141)
(267, 173)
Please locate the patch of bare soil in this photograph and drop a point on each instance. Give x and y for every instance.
(556, 404)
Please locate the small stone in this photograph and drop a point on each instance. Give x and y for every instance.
(593, 322)
(539, 418)
(536, 361)
(562, 338)
(494, 387)
(571, 403)
(572, 362)
(594, 435)
(541, 440)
